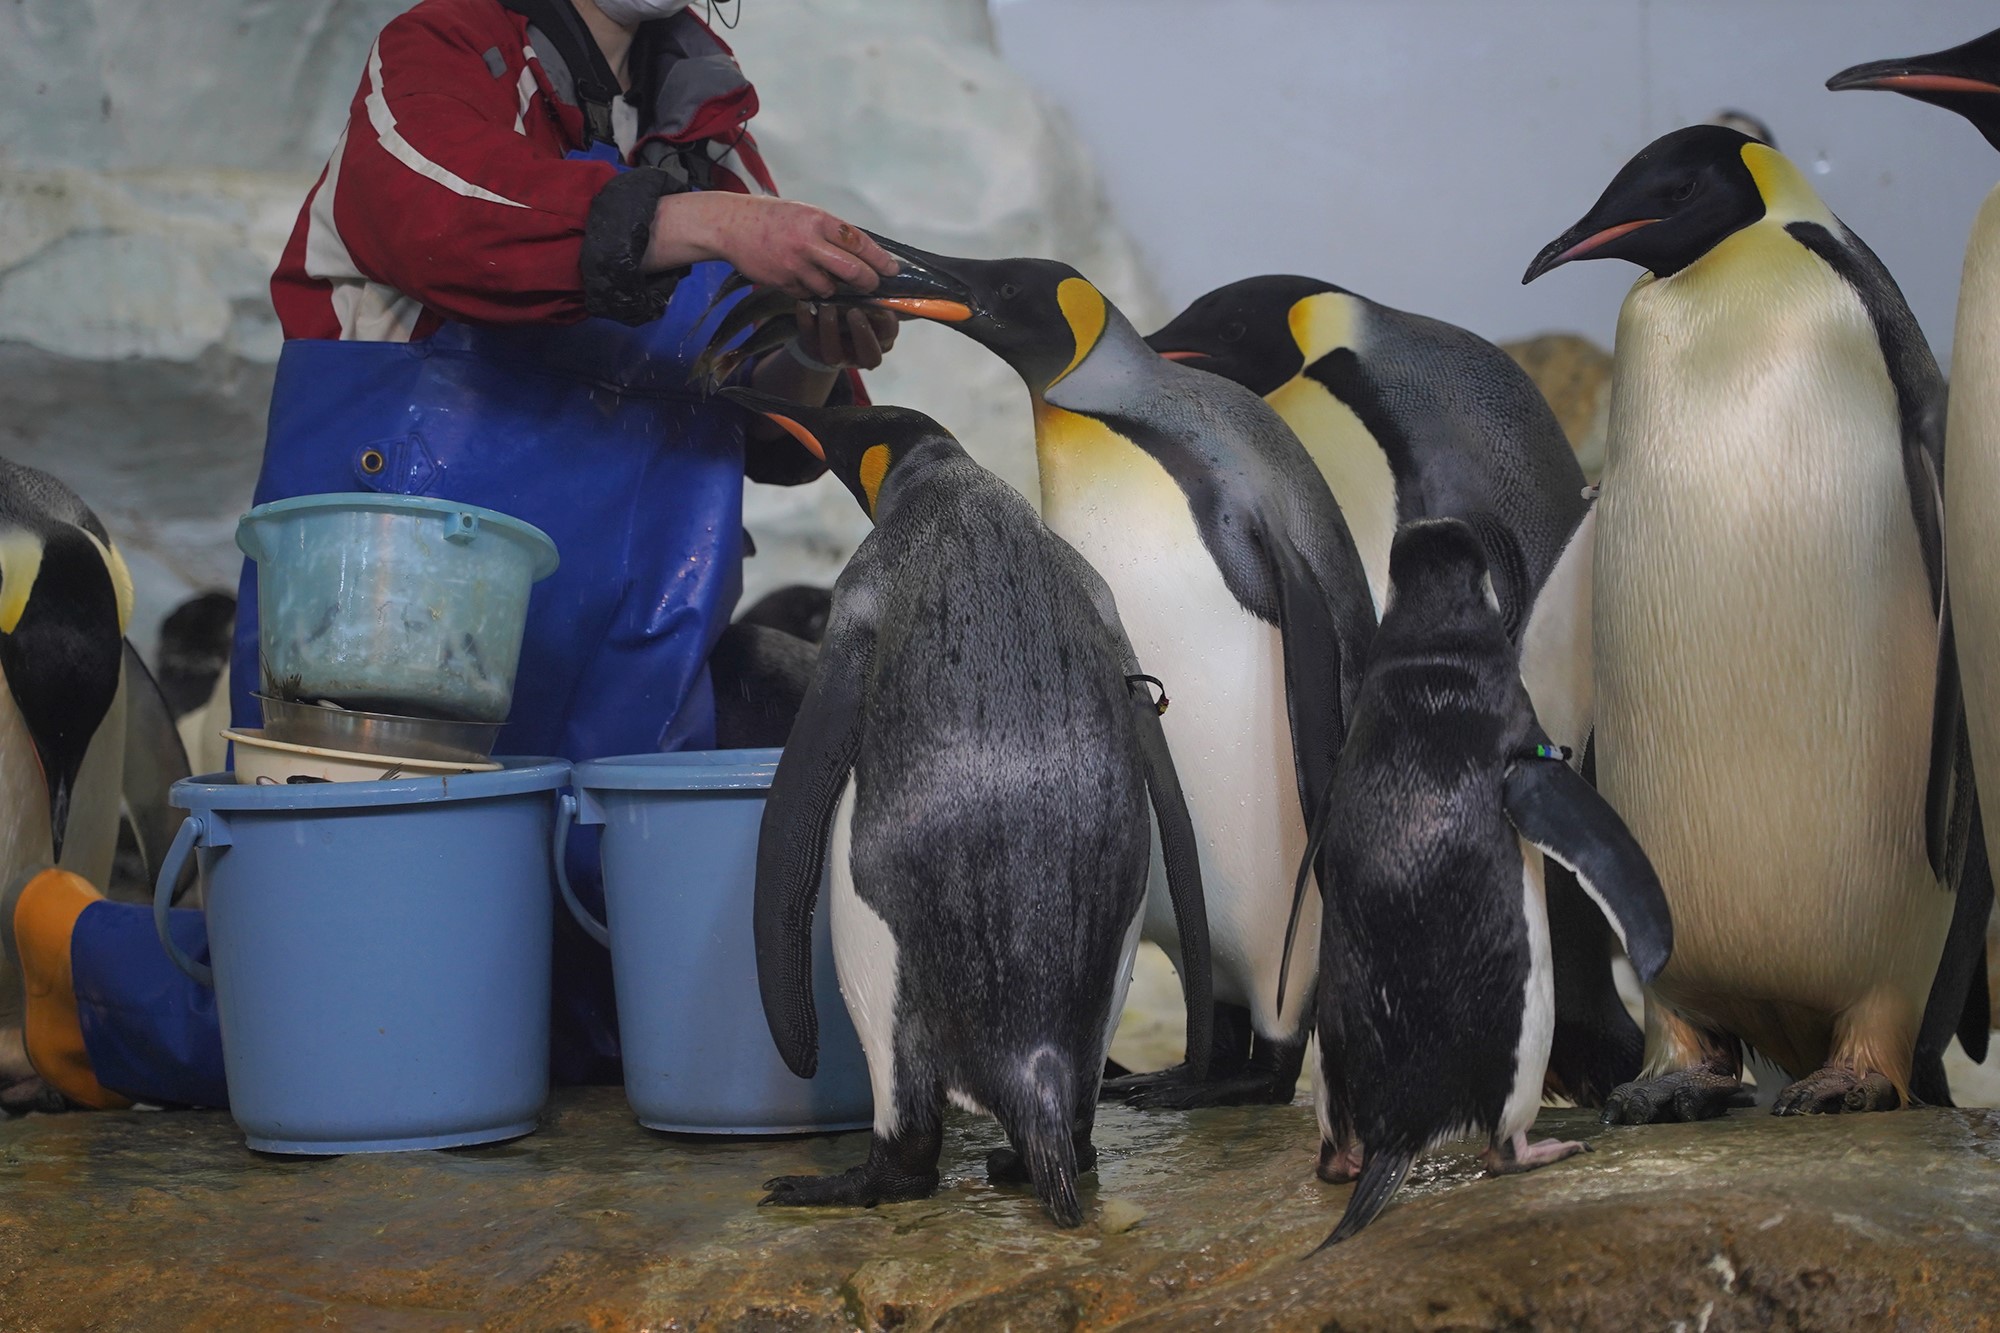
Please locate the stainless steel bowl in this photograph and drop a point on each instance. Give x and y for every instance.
(376, 733)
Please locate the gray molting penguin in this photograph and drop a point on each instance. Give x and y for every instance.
(1410, 418)
(65, 599)
(1436, 996)
(1768, 586)
(1966, 79)
(1235, 575)
(973, 760)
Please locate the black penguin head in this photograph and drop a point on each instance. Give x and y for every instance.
(1438, 568)
(62, 647)
(1248, 331)
(1678, 199)
(1965, 79)
(871, 449)
(1039, 316)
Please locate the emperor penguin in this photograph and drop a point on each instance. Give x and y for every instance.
(1408, 418)
(974, 760)
(65, 600)
(1765, 629)
(1437, 995)
(1966, 79)
(1234, 574)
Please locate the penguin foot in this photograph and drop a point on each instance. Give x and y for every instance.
(1339, 1166)
(1527, 1156)
(31, 1094)
(1700, 1093)
(857, 1187)
(1833, 1091)
(1174, 1090)
(1004, 1166)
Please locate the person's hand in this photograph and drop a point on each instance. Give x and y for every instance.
(799, 249)
(853, 337)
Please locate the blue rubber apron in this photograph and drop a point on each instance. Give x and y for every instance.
(590, 432)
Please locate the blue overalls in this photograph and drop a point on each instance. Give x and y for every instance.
(590, 432)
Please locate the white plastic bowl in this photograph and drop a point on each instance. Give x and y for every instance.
(262, 761)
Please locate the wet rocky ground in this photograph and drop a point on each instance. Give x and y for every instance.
(152, 1221)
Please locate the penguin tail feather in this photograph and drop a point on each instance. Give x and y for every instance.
(1044, 1130)
(1382, 1174)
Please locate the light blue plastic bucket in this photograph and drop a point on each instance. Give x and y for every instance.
(379, 951)
(680, 865)
(393, 603)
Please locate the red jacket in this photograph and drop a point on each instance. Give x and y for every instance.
(448, 195)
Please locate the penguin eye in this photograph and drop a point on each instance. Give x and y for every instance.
(1685, 192)
(1232, 331)
(1008, 291)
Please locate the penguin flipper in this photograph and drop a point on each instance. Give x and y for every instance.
(1178, 848)
(1958, 1000)
(798, 817)
(1550, 805)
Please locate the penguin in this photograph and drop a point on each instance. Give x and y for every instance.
(799, 609)
(65, 601)
(1765, 626)
(973, 760)
(1408, 418)
(1436, 1000)
(1966, 79)
(760, 675)
(1233, 571)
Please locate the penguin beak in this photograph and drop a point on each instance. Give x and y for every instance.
(780, 413)
(923, 286)
(59, 794)
(1911, 75)
(1579, 242)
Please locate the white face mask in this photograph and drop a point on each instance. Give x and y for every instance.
(629, 13)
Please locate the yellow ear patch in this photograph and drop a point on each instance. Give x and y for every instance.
(1787, 196)
(874, 467)
(20, 563)
(1083, 306)
(1324, 322)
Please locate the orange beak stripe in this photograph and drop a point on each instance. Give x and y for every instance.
(1605, 237)
(1932, 83)
(799, 433)
(926, 307)
(1185, 356)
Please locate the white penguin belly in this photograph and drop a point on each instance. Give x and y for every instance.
(1971, 493)
(1765, 648)
(1538, 1005)
(864, 956)
(1228, 725)
(24, 826)
(1355, 468)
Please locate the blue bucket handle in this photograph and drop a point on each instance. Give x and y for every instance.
(192, 830)
(570, 812)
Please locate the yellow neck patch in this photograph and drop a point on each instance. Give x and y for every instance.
(121, 578)
(1083, 306)
(1787, 196)
(874, 467)
(1323, 323)
(20, 563)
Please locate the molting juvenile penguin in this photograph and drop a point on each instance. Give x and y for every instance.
(1436, 997)
(1765, 628)
(1966, 79)
(1235, 576)
(1411, 418)
(977, 746)
(65, 598)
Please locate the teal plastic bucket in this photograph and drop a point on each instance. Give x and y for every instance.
(380, 953)
(393, 603)
(679, 849)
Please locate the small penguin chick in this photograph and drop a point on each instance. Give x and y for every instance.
(1436, 998)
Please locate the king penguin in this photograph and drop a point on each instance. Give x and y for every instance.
(1408, 418)
(1437, 993)
(1966, 79)
(1765, 629)
(974, 758)
(65, 599)
(1234, 574)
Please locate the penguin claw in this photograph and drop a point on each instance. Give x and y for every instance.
(1699, 1093)
(1833, 1091)
(857, 1187)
